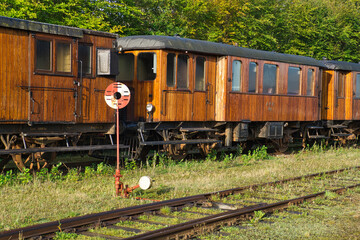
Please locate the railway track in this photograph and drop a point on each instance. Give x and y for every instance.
(195, 215)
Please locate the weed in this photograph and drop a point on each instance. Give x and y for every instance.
(130, 164)
(165, 210)
(7, 179)
(260, 153)
(330, 195)
(211, 156)
(62, 235)
(25, 176)
(103, 169)
(258, 216)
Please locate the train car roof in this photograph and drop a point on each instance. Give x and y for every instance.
(339, 65)
(199, 46)
(33, 26)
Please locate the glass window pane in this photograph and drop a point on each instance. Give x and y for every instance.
(85, 56)
(357, 93)
(146, 66)
(252, 77)
(63, 57)
(200, 74)
(310, 83)
(236, 75)
(293, 81)
(182, 71)
(126, 67)
(341, 85)
(170, 70)
(43, 55)
(269, 79)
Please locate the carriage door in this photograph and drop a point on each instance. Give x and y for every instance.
(356, 98)
(52, 91)
(339, 105)
(204, 88)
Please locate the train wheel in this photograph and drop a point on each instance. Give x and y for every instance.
(280, 145)
(33, 161)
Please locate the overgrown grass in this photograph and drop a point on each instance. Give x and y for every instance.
(50, 195)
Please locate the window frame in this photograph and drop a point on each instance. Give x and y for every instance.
(53, 55)
(312, 82)
(355, 87)
(299, 79)
(133, 67)
(204, 73)
(92, 56)
(174, 68)
(276, 79)
(187, 73)
(343, 85)
(256, 77)
(56, 55)
(232, 75)
(137, 66)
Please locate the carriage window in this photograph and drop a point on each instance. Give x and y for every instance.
(183, 71)
(63, 57)
(236, 75)
(85, 56)
(252, 77)
(126, 67)
(269, 79)
(341, 84)
(357, 93)
(43, 55)
(310, 83)
(146, 66)
(293, 81)
(170, 70)
(200, 74)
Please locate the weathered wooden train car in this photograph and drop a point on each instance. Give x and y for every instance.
(52, 87)
(341, 94)
(203, 94)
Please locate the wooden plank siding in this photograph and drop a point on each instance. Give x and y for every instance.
(334, 107)
(144, 92)
(14, 72)
(259, 106)
(53, 94)
(93, 107)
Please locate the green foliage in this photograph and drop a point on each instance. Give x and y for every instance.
(211, 156)
(130, 164)
(258, 216)
(315, 28)
(55, 174)
(260, 153)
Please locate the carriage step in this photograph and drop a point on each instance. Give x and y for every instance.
(318, 137)
(49, 134)
(198, 130)
(173, 142)
(340, 134)
(61, 149)
(337, 126)
(314, 127)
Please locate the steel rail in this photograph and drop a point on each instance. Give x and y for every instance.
(193, 227)
(54, 226)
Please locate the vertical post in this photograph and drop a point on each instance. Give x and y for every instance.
(118, 184)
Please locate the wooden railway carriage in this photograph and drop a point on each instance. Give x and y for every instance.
(341, 98)
(51, 87)
(211, 94)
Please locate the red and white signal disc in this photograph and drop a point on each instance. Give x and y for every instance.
(117, 95)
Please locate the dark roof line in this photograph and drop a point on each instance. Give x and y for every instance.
(205, 47)
(339, 65)
(49, 28)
